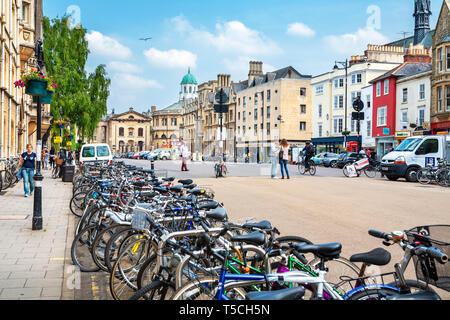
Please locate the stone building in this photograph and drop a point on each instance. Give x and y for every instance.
(166, 125)
(440, 79)
(272, 106)
(130, 131)
(21, 26)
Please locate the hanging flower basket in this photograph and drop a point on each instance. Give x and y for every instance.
(36, 88)
(69, 136)
(60, 124)
(36, 83)
(47, 99)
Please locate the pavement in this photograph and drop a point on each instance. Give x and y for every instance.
(32, 263)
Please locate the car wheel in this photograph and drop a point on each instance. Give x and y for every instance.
(333, 164)
(411, 174)
(392, 178)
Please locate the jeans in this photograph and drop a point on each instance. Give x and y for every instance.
(307, 160)
(28, 180)
(284, 168)
(274, 166)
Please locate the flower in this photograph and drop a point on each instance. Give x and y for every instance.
(34, 74)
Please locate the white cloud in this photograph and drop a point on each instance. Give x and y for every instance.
(133, 82)
(300, 29)
(229, 37)
(355, 43)
(124, 67)
(105, 46)
(171, 58)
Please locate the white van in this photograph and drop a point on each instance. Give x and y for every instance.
(413, 154)
(95, 152)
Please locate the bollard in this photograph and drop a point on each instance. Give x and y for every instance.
(153, 164)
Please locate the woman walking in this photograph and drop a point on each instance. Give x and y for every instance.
(27, 167)
(284, 157)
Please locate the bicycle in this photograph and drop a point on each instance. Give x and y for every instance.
(302, 167)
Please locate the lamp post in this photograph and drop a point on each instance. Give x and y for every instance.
(345, 64)
(38, 178)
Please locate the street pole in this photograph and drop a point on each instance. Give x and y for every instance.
(359, 132)
(38, 178)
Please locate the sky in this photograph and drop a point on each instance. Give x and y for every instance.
(221, 37)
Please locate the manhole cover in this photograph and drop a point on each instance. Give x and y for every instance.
(13, 217)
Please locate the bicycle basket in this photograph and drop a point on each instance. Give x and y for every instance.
(427, 269)
(139, 221)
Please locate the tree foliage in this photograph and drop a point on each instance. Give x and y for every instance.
(82, 97)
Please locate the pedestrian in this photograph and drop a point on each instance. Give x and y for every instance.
(369, 153)
(274, 151)
(52, 157)
(309, 153)
(284, 158)
(46, 159)
(27, 168)
(184, 156)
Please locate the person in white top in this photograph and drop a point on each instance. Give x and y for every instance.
(184, 156)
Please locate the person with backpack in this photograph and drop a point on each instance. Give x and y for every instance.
(309, 153)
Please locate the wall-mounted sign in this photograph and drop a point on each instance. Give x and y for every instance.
(58, 139)
(386, 131)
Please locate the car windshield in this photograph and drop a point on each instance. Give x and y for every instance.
(88, 152)
(408, 145)
(102, 151)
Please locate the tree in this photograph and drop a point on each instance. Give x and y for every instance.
(81, 97)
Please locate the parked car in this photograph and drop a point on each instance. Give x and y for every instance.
(318, 158)
(165, 154)
(349, 157)
(95, 152)
(154, 155)
(330, 160)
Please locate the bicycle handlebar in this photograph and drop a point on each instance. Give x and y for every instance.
(380, 235)
(437, 255)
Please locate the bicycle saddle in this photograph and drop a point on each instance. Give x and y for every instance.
(328, 251)
(209, 206)
(186, 182)
(256, 238)
(287, 294)
(197, 192)
(219, 214)
(263, 225)
(377, 257)
(176, 189)
(421, 295)
(171, 179)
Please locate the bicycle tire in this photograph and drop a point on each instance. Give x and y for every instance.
(301, 169)
(372, 294)
(83, 259)
(203, 285)
(96, 250)
(312, 168)
(149, 291)
(370, 172)
(415, 284)
(423, 177)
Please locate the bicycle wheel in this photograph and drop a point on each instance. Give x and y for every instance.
(156, 290)
(99, 245)
(423, 177)
(301, 169)
(206, 289)
(312, 168)
(373, 294)
(345, 169)
(370, 172)
(1, 181)
(77, 204)
(81, 249)
(441, 178)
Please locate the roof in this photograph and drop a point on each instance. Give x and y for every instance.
(189, 78)
(405, 43)
(173, 107)
(406, 69)
(284, 73)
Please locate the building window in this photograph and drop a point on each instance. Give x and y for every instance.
(239, 116)
(303, 92)
(303, 109)
(256, 129)
(256, 99)
(448, 58)
(369, 101)
(440, 59)
(356, 78)
(302, 126)
(140, 132)
(354, 95)
(338, 102)
(405, 115)
(268, 128)
(319, 109)
(422, 91)
(121, 132)
(447, 88)
(245, 101)
(338, 125)
(378, 88)
(255, 114)
(405, 95)
(130, 132)
(386, 87)
(320, 129)
(173, 122)
(381, 116)
(244, 130)
(369, 128)
(268, 95)
(244, 116)
(421, 116)
(319, 90)
(439, 94)
(268, 113)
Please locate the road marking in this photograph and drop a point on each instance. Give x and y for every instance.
(95, 288)
(13, 217)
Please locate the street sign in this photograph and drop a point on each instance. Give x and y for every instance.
(358, 105)
(222, 97)
(356, 114)
(221, 108)
(58, 139)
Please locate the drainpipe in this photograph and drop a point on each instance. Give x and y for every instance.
(2, 124)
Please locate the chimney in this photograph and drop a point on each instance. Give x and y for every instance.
(256, 69)
(153, 109)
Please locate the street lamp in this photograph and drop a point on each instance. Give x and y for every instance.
(346, 65)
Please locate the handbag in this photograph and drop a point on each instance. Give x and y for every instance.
(59, 162)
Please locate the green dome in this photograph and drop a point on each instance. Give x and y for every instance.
(189, 79)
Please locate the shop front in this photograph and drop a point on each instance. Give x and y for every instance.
(401, 136)
(385, 145)
(333, 144)
(443, 126)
